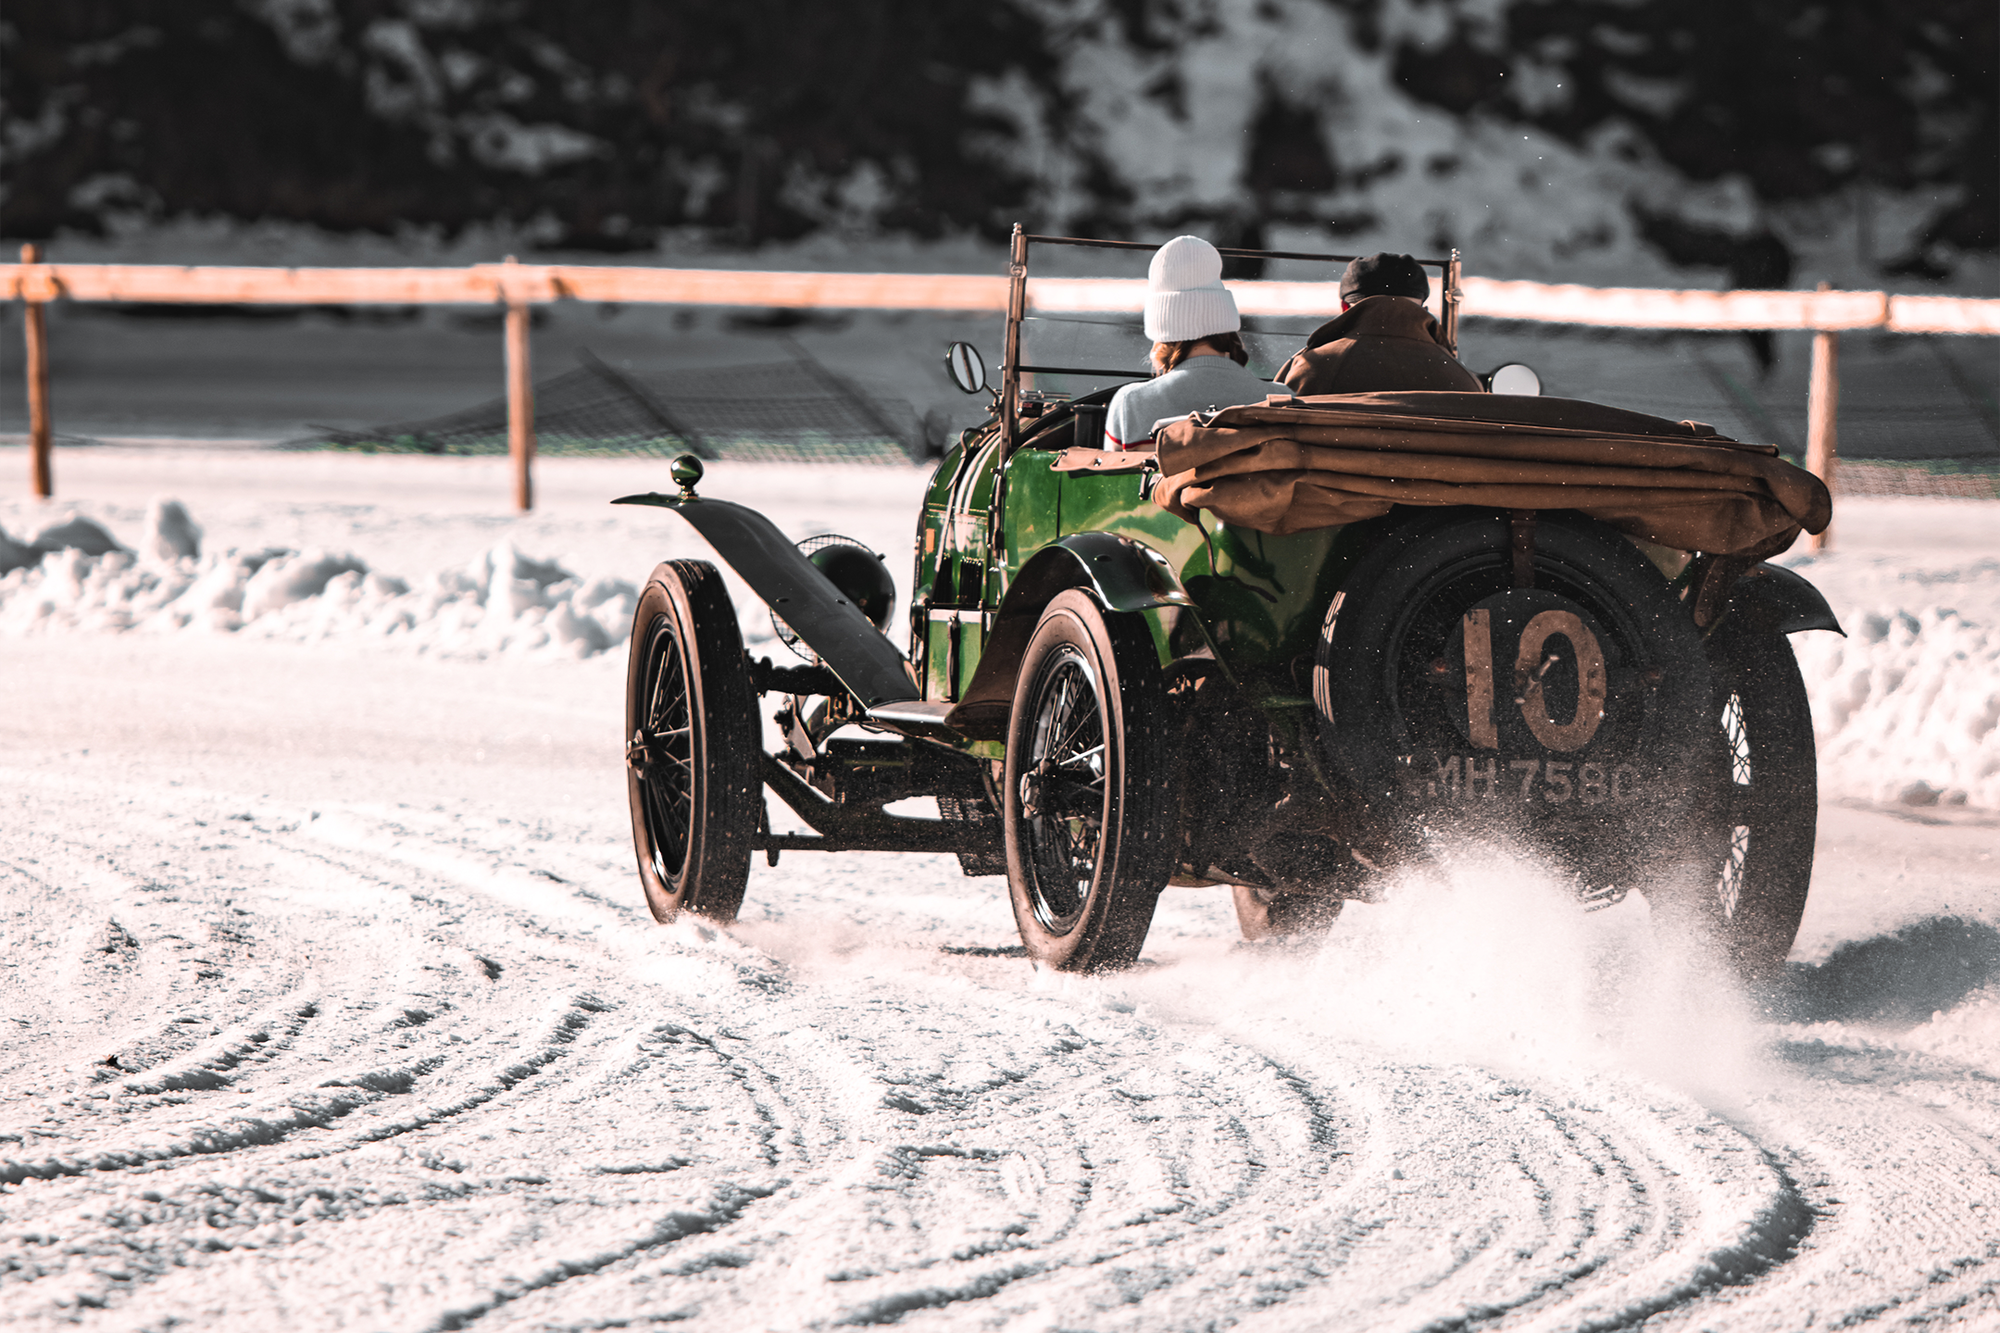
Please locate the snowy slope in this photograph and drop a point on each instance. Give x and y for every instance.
(332, 1003)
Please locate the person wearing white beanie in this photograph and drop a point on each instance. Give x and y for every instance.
(1199, 361)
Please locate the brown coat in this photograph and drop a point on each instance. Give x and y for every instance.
(1380, 344)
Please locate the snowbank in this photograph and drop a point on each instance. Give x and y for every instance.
(76, 576)
(1907, 707)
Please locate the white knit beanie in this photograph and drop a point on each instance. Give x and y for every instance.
(1185, 298)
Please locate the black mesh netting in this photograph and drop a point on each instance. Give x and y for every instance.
(786, 410)
(1916, 417)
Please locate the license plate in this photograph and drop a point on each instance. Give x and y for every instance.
(1461, 778)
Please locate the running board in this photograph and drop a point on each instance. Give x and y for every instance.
(842, 829)
(921, 718)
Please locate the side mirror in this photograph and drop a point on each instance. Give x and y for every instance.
(966, 367)
(1515, 378)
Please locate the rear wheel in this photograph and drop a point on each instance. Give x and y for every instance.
(1749, 892)
(1088, 817)
(691, 745)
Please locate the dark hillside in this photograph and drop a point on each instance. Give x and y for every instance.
(600, 123)
(609, 125)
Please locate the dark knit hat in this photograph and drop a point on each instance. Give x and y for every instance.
(1384, 275)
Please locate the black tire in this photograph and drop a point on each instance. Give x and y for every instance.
(692, 745)
(1394, 683)
(1749, 893)
(1088, 810)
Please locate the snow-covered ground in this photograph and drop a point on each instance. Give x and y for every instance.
(331, 1001)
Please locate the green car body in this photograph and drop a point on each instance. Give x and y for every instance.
(1251, 601)
(1236, 738)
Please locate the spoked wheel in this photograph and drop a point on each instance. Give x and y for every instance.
(692, 745)
(1088, 815)
(1750, 890)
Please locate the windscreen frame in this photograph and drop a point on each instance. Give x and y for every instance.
(1020, 243)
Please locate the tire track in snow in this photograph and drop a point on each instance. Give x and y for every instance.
(379, 1081)
(725, 1208)
(1770, 1230)
(308, 1112)
(727, 1140)
(1532, 1201)
(888, 1170)
(357, 1264)
(654, 1235)
(575, 1016)
(1905, 1194)
(651, 1235)
(204, 1140)
(1168, 1170)
(219, 1062)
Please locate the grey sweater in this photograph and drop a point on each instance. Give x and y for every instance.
(1195, 385)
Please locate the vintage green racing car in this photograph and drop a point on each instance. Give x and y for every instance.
(1295, 648)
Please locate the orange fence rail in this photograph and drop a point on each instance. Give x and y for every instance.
(519, 286)
(533, 284)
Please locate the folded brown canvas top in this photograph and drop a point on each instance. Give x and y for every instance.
(1286, 465)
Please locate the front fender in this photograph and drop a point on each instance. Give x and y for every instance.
(1123, 575)
(1776, 600)
(845, 639)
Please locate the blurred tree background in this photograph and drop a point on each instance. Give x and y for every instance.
(602, 122)
(609, 124)
(1800, 100)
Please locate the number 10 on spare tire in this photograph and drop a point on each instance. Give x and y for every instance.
(1087, 815)
(1531, 663)
(1555, 781)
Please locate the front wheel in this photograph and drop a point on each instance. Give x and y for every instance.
(1088, 817)
(691, 745)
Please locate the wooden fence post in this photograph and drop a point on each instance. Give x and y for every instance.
(520, 396)
(41, 473)
(1822, 413)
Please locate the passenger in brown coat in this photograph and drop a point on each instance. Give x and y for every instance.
(1383, 339)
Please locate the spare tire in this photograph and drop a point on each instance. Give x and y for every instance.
(1567, 718)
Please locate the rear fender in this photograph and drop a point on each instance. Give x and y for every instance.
(845, 639)
(1123, 575)
(1776, 600)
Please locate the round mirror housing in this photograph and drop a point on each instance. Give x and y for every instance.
(966, 367)
(1515, 378)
